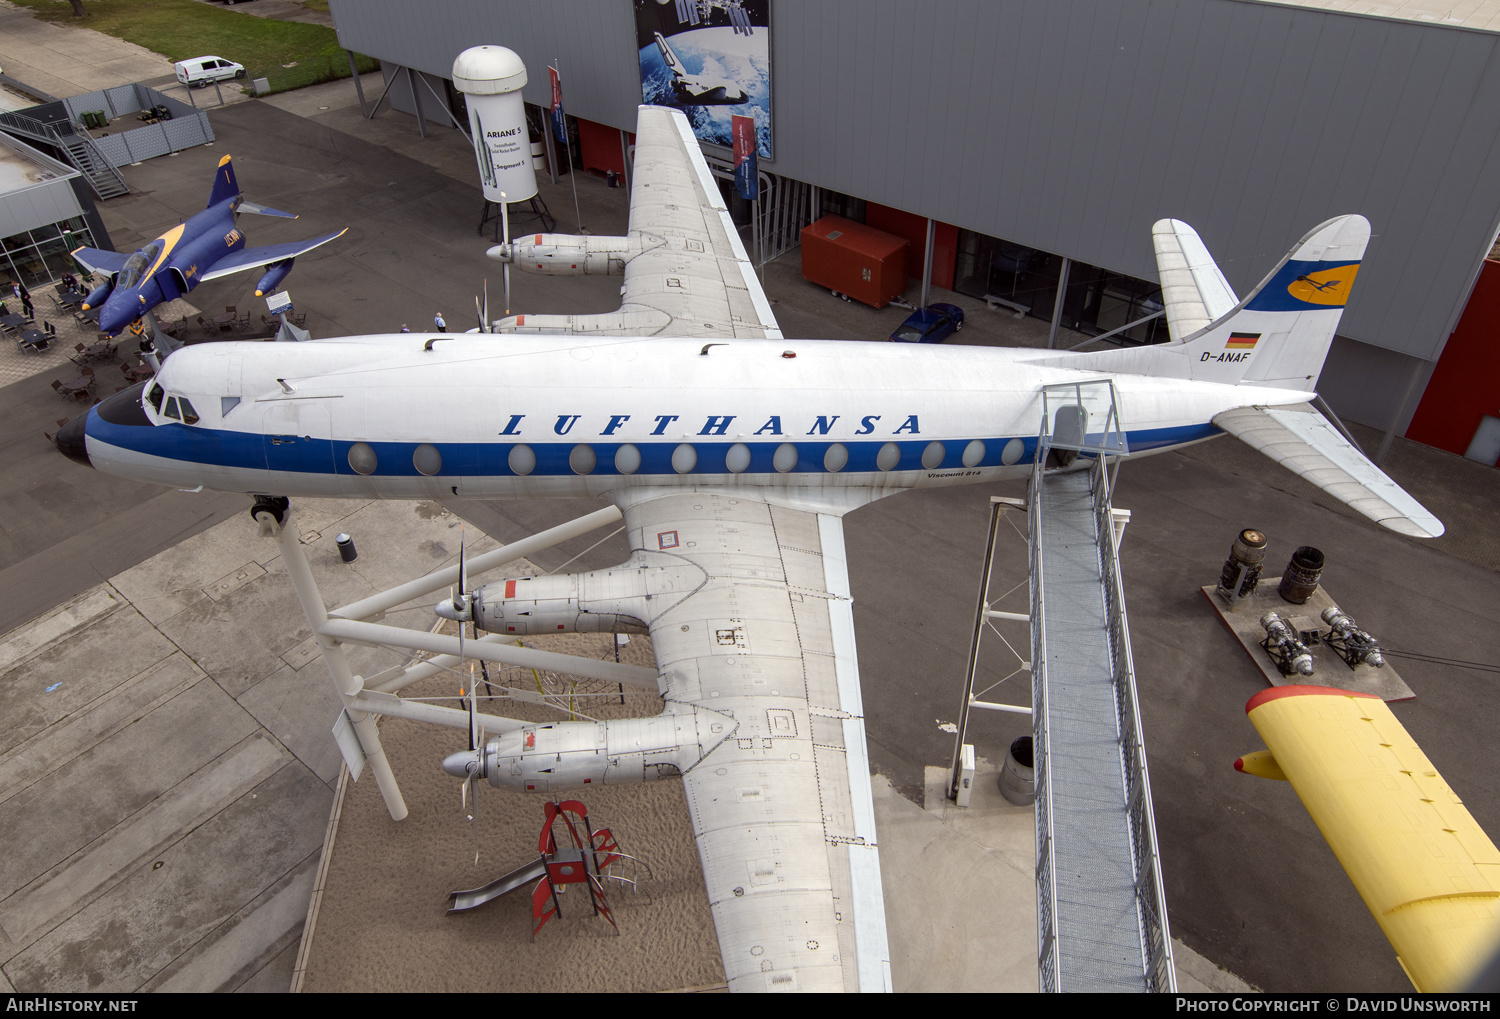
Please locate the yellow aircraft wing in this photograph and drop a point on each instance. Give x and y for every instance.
(1426, 870)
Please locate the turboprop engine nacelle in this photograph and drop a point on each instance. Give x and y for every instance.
(568, 254)
(545, 605)
(571, 755)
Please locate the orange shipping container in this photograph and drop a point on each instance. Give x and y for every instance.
(852, 259)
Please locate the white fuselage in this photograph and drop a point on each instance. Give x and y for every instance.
(489, 417)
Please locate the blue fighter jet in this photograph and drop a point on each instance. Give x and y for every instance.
(207, 246)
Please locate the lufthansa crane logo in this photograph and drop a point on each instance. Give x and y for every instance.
(1326, 286)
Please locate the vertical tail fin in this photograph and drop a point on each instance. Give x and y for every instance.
(1277, 337)
(225, 186)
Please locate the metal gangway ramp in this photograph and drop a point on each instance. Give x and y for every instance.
(1101, 913)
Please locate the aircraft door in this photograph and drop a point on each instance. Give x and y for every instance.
(296, 437)
(1070, 426)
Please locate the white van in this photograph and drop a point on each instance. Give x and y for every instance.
(196, 72)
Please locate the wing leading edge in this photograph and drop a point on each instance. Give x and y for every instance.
(782, 812)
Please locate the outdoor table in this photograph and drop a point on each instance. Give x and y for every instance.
(34, 338)
(100, 350)
(91, 315)
(68, 299)
(12, 321)
(225, 320)
(77, 387)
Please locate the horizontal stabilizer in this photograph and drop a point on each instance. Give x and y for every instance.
(252, 258)
(100, 261)
(264, 210)
(1193, 289)
(1305, 443)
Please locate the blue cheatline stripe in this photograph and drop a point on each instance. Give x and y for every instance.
(302, 455)
(1274, 296)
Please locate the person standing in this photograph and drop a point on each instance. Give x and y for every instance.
(437, 320)
(405, 328)
(26, 306)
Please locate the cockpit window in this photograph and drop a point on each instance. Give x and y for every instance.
(153, 396)
(137, 264)
(171, 410)
(189, 415)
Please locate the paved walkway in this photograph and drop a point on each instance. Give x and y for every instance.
(65, 60)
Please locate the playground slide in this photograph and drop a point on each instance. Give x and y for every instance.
(532, 871)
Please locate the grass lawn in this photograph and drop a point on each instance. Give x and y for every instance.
(185, 28)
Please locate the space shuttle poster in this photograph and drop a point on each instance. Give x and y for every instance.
(711, 59)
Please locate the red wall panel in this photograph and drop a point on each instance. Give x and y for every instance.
(914, 230)
(1465, 385)
(601, 147)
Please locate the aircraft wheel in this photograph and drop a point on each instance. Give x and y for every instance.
(276, 505)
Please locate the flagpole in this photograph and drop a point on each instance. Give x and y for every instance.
(562, 122)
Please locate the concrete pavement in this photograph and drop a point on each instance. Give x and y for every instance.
(66, 60)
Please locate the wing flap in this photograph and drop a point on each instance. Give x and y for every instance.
(252, 258)
(1418, 858)
(1194, 291)
(1306, 443)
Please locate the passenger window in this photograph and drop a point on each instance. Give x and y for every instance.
(171, 410)
(189, 415)
(153, 396)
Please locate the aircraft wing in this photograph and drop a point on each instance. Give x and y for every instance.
(97, 260)
(698, 274)
(1193, 289)
(782, 812)
(1305, 443)
(1424, 867)
(253, 258)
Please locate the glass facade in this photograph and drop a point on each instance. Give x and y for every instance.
(1096, 301)
(40, 256)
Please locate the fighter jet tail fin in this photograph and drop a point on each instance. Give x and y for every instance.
(225, 186)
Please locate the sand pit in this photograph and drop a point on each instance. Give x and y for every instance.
(382, 922)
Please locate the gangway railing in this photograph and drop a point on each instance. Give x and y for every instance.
(1104, 799)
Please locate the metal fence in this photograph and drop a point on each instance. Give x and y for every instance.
(188, 127)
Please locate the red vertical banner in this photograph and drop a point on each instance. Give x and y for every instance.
(559, 122)
(746, 170)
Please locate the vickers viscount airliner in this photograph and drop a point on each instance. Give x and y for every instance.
(732, 453)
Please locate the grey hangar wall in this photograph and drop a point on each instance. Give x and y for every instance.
(1073, 125)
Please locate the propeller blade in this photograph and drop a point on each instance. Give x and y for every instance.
(473, 726)
(463, 576)
(485, 326)
(505, 225)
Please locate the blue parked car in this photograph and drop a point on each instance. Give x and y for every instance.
(932, 324)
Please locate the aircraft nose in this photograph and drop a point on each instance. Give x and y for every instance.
(72, 442)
